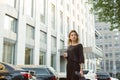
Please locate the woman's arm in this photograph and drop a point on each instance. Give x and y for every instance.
(81, 69)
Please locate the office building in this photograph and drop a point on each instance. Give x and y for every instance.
(35, 31)
(109, 42)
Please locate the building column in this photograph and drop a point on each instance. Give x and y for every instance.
(21, 35)
(2, 15)
(48, 56)
(37, 34)
(58, 39)
(114, 65)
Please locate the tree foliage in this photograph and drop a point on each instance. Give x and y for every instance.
(107, 11)
(118, 75)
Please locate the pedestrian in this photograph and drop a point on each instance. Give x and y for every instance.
(74, 56)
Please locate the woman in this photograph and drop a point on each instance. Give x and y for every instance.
(75, 57)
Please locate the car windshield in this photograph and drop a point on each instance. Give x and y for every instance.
(85, 72)
(102, 76)
(39, 71)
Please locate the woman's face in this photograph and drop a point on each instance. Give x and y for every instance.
(73, 37)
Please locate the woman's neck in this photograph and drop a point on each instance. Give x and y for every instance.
(74, 43)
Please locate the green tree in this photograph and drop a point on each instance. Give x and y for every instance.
(107, 11)
(118, 75)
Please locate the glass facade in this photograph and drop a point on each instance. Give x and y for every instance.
(28, 7)
(9, 53)
(11, 3)
(53, 16)
(61, 22)
(62, 60)
(53, 51)
(117, 64)
(42, 58)
(43, 37)
(30, 32)
(28, 56)
(68, 25)
(53, 42)
(53, 60)
(10, 24)
(43, 11)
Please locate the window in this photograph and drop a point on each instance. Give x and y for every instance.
(68, 25)
(73, 25)
(53, 61)
(43, 11)
(10, 24)
(73, 1)
(61, 22)
(83, 36)
(53, 16)
(110, 45)
(105, 28)
(53, 45)
(106, 46)
(73, 13)
(107, 64)
(116, 41)
(68, 7)
(53, 42)
(106, 55)
(42, 58)
(100, 37)
(78, 7)
(61, 44)
(9, 53)
(28, 7)
(28, 56)
(101, 46)
(117, 54)
(61, 2)
(105, 36)
(111, 63)
(109, 36)
(111, 55)
(118, 64)
(100, 29)
(11, 3)
(29, 32)
(116, 44)
(62, 64)
(78, 17)
(79, 29)
(82, 21)
(43, 37)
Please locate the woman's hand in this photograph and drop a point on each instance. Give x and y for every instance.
(81, 72)
(81, 69)
(65, 55)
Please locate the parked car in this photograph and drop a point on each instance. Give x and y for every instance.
(103, 76)
(112, 78)
(10, 72)
(42, 72)
(89, 74)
